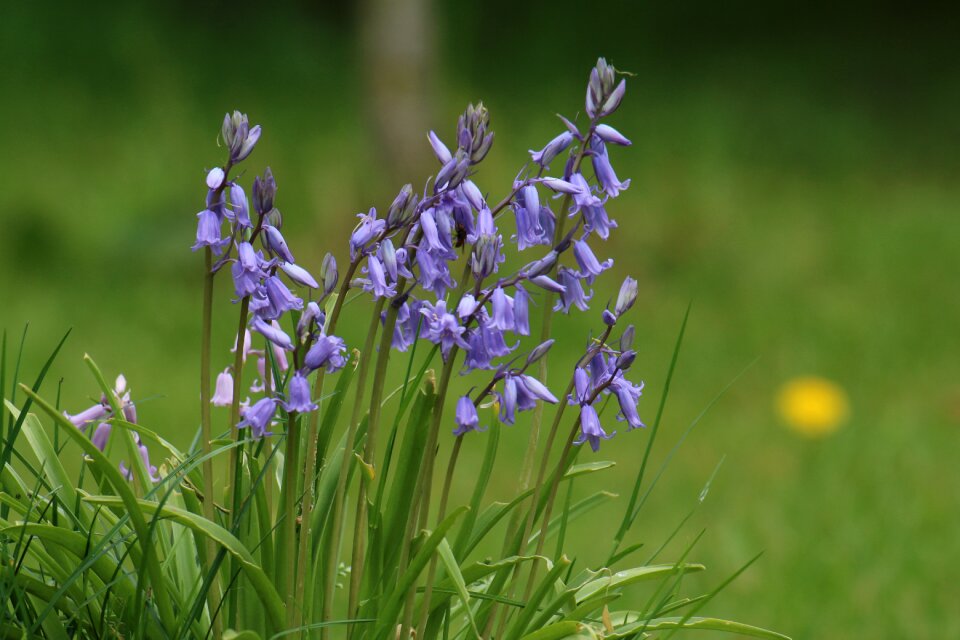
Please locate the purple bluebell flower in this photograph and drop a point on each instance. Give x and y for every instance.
(280, 297)
(590, 267)
(604, 170)
(246, 147)
(275, 242)
(573, 294)
(312, 315)
(472, 194)
(541, 267)
(554, 148)
(101, 435)
(595, 220)
(611, 135)
(452, 173)
(561, 186)
(508, 401)
(85, 417)
(299, 275)
(258, 417)
(401, 207)
(266, 380)
(608, 317)
(536, 388)
(442, 327)
(502, 311)
(366, 230)
(590, 429)
(388, 258)
(215, 178)
(466, 416)
(467, 306)
(406, 330)
(273, 333)
(521, 311)
(377, 281)
(247, 343)
(539, 351)
(583, 196)
(326, 352)
(299, 395)
(628, 394)
(208, 232)
(246, 271)
(145, 457)
(239, 136)
(240, 209)
(434, 273)
(535, 222)
(223, 391)
(437, 233)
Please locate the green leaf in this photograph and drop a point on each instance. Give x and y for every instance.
(556, 631)
(273, 605)
(551, 580)
(453, 570)
(623, 578)
(705, 624)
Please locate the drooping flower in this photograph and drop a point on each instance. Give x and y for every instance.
(223, 391)
(466, 416)
(208, 232)
(442, 327)
(604, 170)
(590, 267)
(573, 294)
(521, 311)
(258, 417)
(376, 283)
(502, 315)
(85, 417)
(366, 230)
(609, 134)
(327, 352)
(590, 429)
(275, 242)
(272, 332)
(101, 435)
(553, 148)
(299, 395)
(299, 275)
(247, 272)
(240, 209)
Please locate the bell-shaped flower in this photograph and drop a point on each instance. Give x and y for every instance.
(590, 429)
(85, 417)
(326, 352)
(573, 294)
(521, 311)
(604, 171)
(299, 275)
(101, 435)
(590, 267)
(466, 416)
(275, 242)
(553, 148)
(273, 333)
(502, 311)
(366, 230)
(223, 390)
(258, 418)
(299, 395)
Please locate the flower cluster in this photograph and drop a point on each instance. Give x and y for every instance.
(102, 412)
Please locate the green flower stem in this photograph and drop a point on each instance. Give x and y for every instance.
(288, 521)
(310, 470)
(206, 436)
(333, 551)
(235, 466)
(369, 453)
(425, 482)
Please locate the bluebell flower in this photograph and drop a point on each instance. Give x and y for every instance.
(466, 416)
(627, 296)
(329, 274)
(536, 388)
(604, 170)
(327, 352)
(299, 395)
(535, 221)
(264, 192)
(595, 220)
(223, 391)
(101, 435)
(281, 299)
(145, 457)
(376, 283)
(85, 417)
(258, 418)
(442, 327)
(208, 232)
(467, 306)
(521, 311)
(472, 194)
(553, 148)
(548, 284)
(590, 429)
(502, 311)
(247, 273)
(583, 196)
(275, 242)
(272, 332)
(628, 394)
(573, 294)
(434, 273)
(240, 209)
(590, 267)
(366, 230)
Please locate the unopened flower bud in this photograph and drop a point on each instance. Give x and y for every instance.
(542, 266)
(398, 210)
(539, 351)
(625, 360)
(264, 191)
(608, 318)
(627, 296)
(311, 314)
(329, 274)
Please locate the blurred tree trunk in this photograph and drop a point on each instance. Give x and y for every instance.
(398, 39)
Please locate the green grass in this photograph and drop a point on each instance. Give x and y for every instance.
(813, 225)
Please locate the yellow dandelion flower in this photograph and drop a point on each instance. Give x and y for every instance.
(813, 406)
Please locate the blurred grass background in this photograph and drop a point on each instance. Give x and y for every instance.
(794, 176)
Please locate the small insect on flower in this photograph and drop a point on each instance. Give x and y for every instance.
(813, 406)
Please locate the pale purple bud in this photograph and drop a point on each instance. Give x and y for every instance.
(215, 178)
(541, 267)
(613, 101)
(241, 211)
(439, 149)
(627, 296)
(625, 359)
(275, 242)
(311, 314)
(247, 340)
(608, 317)
(547, 283)
(626, 339)
(609, 134)
(553, 148)
(264, 192)
(329, 274)
(85, 417)
(521, 311)
(539, 351)
(537, 388)
(467, 306)
(248, 144)
(472, 193)
(299, 275)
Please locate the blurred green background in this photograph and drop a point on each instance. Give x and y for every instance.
(794, 176)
